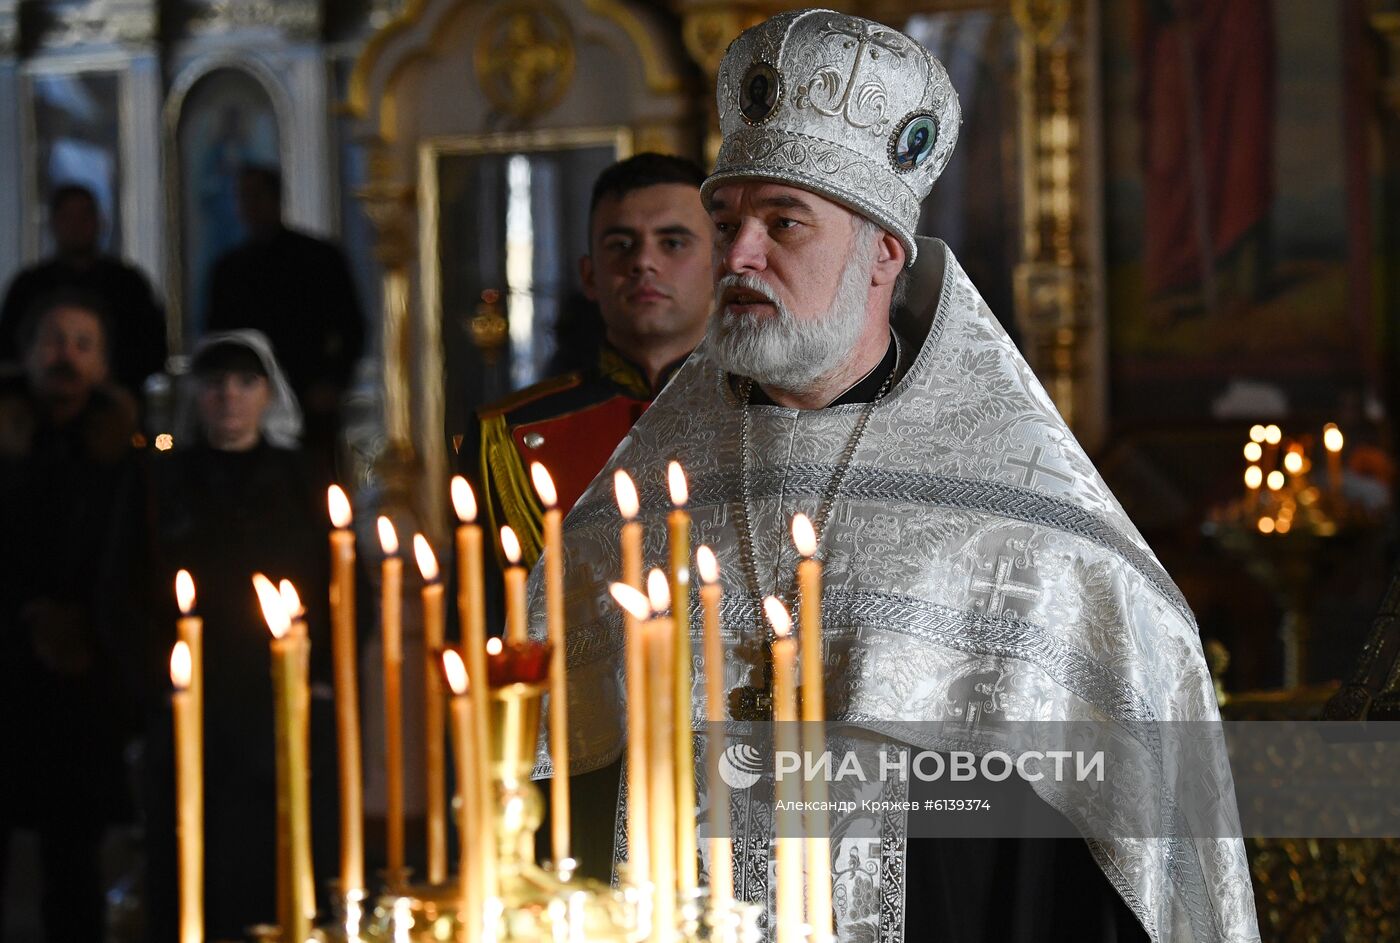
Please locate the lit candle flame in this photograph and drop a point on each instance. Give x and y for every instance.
(675, 480)
(339, 506)
(1253, 477)
(1273, 434)
(1257, 433)
(1266, 525)
(804, 537)
(778, 616)
(181, 665)
(463, 499)
(544, 485)
(456, 671)
(273, 609)
(1332, 437)
(184, 592)
(658, 590)
(511, 545)
(1293, 462)
(1275, 480)
(626, 493)
(706, 563)
(291, 600)
(427, 561)
(494, 645)
(631, 599)
(1253, 451)
(388, 537)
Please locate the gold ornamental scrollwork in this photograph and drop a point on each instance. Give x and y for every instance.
(525, 58)
(1041, 20)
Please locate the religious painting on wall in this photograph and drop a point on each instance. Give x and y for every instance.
(1239, 245)
(76, 126)
(226, 121)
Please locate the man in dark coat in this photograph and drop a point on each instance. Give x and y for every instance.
(64, 440)
(297, 290)
(135, 324)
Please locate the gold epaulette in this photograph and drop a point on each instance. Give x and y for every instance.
(529, 394)
(503, 475)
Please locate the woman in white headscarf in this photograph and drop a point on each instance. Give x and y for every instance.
(232, 498)
(239, 396)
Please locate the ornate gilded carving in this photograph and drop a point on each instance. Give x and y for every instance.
(1041, 20)
(1053, 282)
(707, 30)
(99, 22)
(525, 58)
(300, 19)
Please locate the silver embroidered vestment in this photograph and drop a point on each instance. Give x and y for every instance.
(972, 541)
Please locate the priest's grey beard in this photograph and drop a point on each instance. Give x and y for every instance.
(781, 350)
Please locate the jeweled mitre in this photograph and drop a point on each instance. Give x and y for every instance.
(839, 105)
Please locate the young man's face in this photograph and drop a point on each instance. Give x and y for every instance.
(649, 265)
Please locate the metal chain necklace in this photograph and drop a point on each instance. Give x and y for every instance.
(754, 701)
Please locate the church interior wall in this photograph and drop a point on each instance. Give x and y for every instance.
(1295, 324)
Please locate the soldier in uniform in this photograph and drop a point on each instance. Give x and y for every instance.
(648, 270)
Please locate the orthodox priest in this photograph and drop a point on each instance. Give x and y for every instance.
(975, 562)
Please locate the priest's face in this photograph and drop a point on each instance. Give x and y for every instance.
(793, 282)
(648, 266)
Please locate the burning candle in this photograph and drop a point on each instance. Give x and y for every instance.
(190, 630)
(391, 628)
(721, 848)
(638, 844)
(678, 526)
(818, 844)
(558, 678)
(466, 754)
(789, 852)
(296, 893)
(1332, 441)
(515, 587)
(433, 734)
(1253, 479)
(1253, 452)
(659, 632)
(189, 791)
(1273, 435)
(347, 694)
(471, 604)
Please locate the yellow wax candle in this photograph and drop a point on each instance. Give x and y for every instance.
(466, 754)
(347, 694)
(189, 791)
(638, 829)
(721, 848)
(1332, 441)
(433, 711)
(391, 628)
(471, 603)
(678, 526)
(660, 640)
(190, 630)
(296, 897)
(558, 678)
(515, 587)
(789, 853)
(817, 841)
